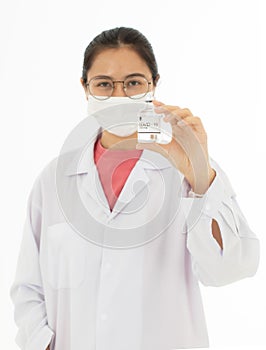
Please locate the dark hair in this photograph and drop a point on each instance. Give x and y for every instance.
(118, 37)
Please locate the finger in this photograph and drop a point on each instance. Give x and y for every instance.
(194, 122)
(177, 109)
(190, 120)
(174, 117)
(178, 114)
(159, 107)
(157, 103)
(153, 146)
(170, 107)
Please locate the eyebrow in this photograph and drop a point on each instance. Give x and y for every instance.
(127, 76)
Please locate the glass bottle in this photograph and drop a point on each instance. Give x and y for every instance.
(149, 124)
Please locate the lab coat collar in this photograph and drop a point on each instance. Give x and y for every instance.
(82, 159)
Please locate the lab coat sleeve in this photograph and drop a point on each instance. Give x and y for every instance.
(27, 292)
(239, 257)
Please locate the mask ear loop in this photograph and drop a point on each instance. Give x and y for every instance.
(158, 83)
(152, 93)
(149, 96)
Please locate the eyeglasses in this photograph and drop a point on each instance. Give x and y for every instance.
(102, 88)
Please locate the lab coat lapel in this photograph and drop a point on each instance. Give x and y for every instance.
(94, 188)
(138, 179)
(135, 183)
(83, 164)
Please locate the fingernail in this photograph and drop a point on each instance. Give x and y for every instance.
(181, 122)
(166, 118)
(159, 109)
(156, 102)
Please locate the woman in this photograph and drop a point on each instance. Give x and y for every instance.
(158, 218)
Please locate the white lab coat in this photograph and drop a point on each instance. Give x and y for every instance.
(89, 279)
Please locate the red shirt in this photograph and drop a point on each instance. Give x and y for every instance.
(114, 167)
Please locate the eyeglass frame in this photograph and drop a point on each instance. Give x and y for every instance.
(118, 81)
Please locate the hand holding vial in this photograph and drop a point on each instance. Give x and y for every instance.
(185, 147)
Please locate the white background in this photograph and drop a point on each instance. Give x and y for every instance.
(211, 60)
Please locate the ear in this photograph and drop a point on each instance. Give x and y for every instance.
(84, 87)
(82, 83)
(156, 80)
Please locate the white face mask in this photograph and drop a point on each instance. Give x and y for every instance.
(117, 115)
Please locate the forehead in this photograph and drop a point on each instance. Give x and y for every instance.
(118, 63)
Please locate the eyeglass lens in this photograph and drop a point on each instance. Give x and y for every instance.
(103, 87)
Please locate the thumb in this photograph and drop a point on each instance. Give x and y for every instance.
(149, 145)
(153, 146)
(157, 103)
(143, 146)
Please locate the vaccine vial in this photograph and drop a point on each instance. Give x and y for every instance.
(149, 124)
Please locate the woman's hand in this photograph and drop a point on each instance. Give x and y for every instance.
(188, 150)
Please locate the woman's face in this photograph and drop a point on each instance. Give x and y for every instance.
(117, 64)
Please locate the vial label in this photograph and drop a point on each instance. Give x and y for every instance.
(149, 125)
